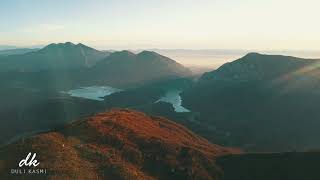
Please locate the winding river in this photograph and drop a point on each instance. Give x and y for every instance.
(173, 97)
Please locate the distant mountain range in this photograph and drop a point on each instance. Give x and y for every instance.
(16, 51)
(52, 57)
(7, 47)
(77, 65)
(261, 102)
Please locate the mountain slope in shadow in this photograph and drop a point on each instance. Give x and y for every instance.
(261, 102)
(125, 67)
(275, 166)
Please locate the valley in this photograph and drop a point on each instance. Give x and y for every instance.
(254, 105)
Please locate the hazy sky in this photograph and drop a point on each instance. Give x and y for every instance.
(134, 24)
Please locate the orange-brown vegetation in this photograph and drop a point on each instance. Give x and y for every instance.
(120, 144)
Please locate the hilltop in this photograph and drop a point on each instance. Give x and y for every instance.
(120, 144)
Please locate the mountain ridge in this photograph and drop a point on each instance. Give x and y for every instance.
(117, 144)
(270, 96)
(52, 56)
(269, 65)
(73, 65)
(118, 66)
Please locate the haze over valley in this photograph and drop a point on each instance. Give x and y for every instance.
(160, 90)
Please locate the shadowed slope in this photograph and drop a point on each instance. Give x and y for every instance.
(275, 166)
(125, 67)
(261, 102)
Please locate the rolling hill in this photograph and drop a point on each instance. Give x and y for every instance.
(120, 144)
